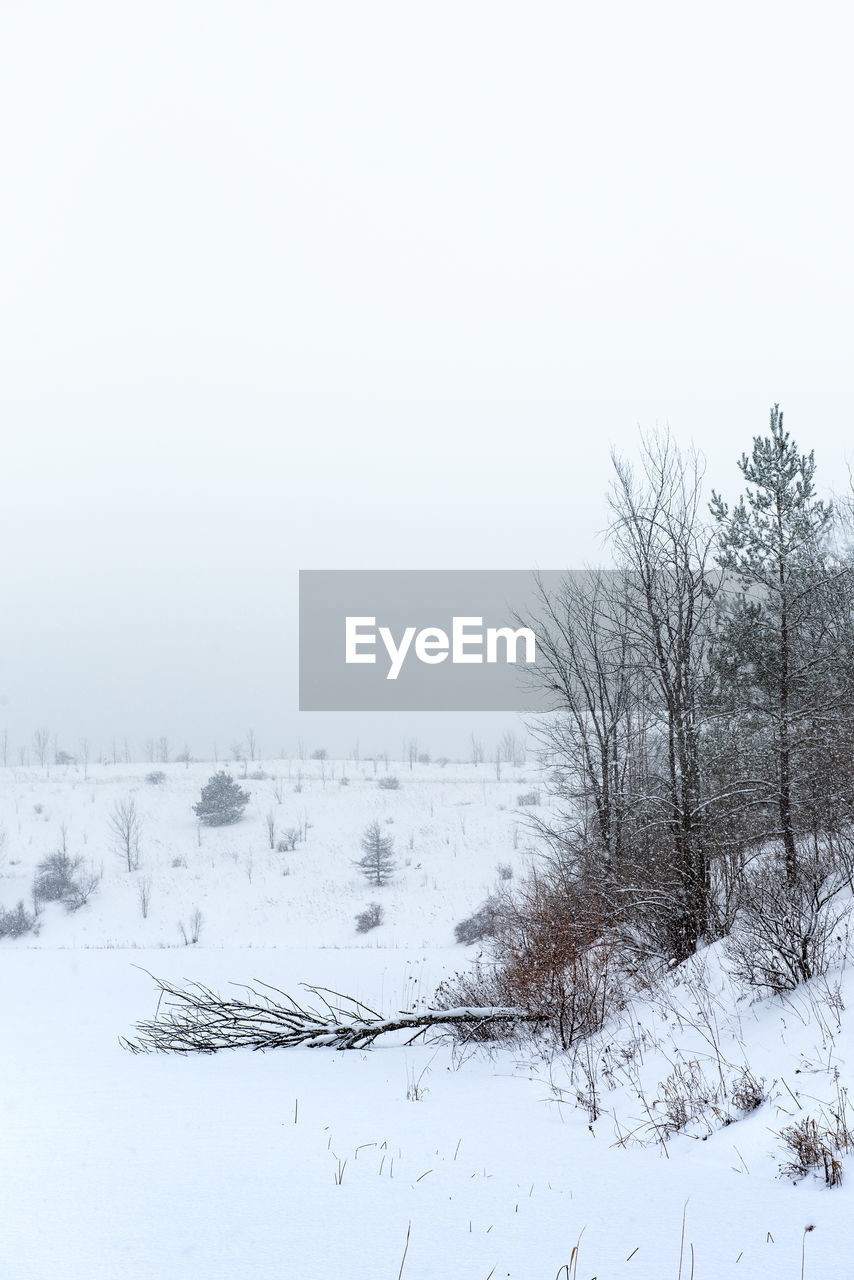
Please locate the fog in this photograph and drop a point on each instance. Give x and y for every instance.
(378, 286)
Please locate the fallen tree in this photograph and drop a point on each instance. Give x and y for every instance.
(195, 1019)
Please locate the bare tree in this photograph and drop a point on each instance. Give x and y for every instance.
(144, 891)
(126, 828)
(251, 743)
(270, 820)
(191, 933)
(41, 741)
(513, 748)
(593, 741)
(667, 548)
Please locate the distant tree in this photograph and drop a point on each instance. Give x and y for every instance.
(270, 820)
(378, 861)
(126, 828)
(41, 739)
(513, 748)
(222, 801)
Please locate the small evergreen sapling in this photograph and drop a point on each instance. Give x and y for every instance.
(379, 862)
(222, 801)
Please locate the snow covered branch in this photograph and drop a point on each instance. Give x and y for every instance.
(195, 1019)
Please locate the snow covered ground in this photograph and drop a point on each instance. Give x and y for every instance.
(400, 1162)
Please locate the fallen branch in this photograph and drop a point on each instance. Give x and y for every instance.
(195, 1019)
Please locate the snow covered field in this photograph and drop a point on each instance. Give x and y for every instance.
(401, 1162)
(451, 827)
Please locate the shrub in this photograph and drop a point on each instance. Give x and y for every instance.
(388, 783)
(505, 871)
(370, 918)
(15, 923)
(790, 929)
(60, 878)
(222, 801)
(528, 798)
(156, 778)
(557, 958)
(479, 925)
(551, 956)
(54, 877)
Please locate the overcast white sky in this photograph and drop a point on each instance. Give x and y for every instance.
(334, 285)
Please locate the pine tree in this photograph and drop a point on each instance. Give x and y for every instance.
(222, 801)
(774, 544)
(378, 862)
